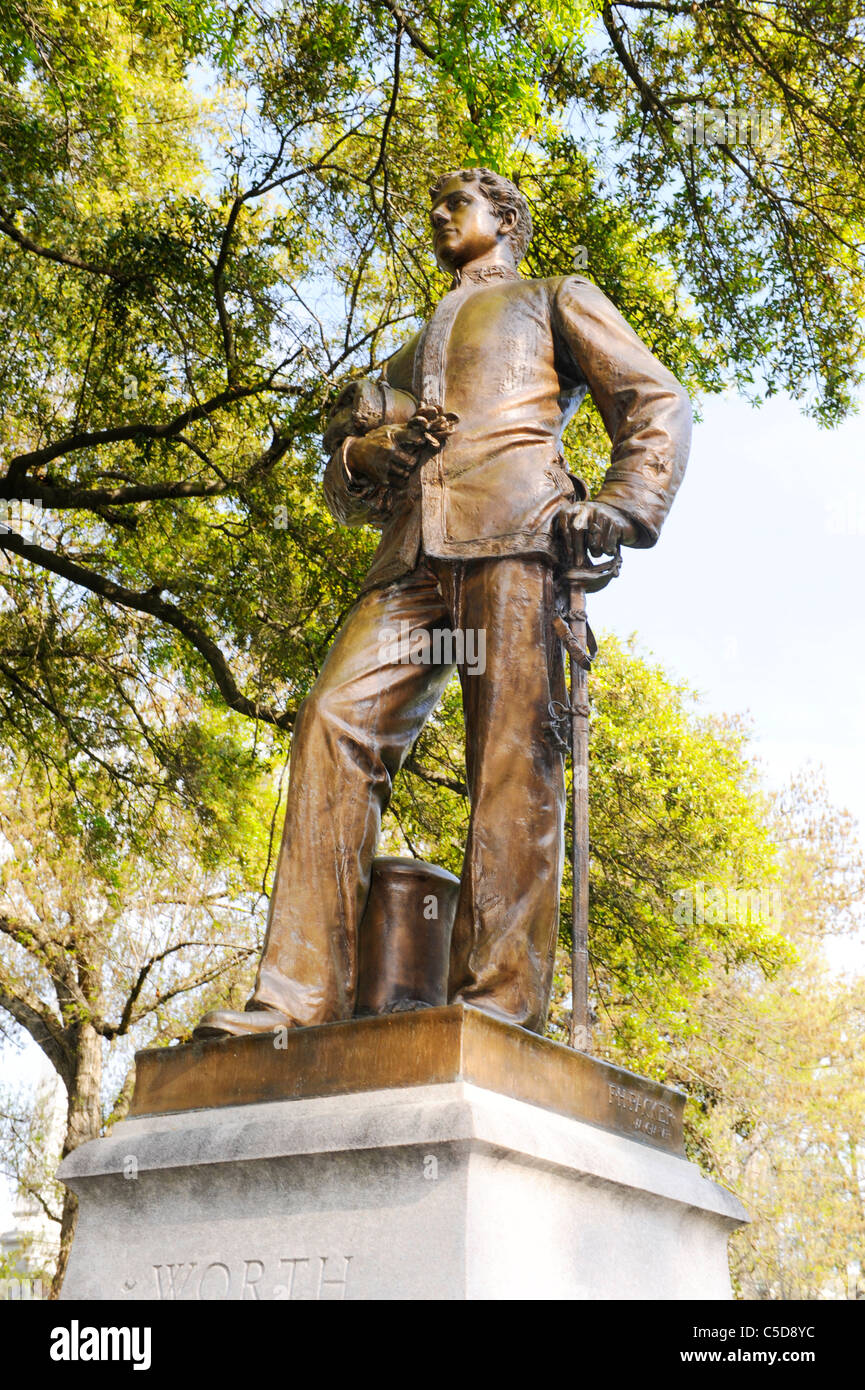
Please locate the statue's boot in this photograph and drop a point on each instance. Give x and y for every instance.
(238, 1023)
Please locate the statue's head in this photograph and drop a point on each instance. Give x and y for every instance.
(475, 210)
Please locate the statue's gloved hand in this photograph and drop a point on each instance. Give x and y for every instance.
(431, 426)
(385, 456)
(388, 454)
(596, 526)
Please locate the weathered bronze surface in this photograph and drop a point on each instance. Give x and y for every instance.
(410, 1049)
(476, 508)
(405, 936)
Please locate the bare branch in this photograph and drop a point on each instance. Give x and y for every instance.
(43, 1026)
(397, 51)
(122, 1100)
(126, 1019)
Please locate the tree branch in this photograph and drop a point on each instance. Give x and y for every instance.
(126, 1018)
(416, 41)
(435, 779)
(89, 439)
(122, 1100)
(51, 954)
(151, 603)
(7, 226)
(62, 495)
(391, 104)
(38, 1020)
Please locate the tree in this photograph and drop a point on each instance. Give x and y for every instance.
(789, 1135)
(109, 948)
(31, 1139)
(777, 1078)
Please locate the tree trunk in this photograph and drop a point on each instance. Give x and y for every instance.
(83, 1122)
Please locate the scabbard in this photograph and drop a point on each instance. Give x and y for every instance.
(579, 662)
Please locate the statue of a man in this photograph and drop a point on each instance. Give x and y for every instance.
(471, 534)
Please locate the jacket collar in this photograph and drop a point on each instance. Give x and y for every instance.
(481, 274)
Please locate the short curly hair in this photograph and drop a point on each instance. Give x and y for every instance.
(503, 195)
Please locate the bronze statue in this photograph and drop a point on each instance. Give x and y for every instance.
(456, 456)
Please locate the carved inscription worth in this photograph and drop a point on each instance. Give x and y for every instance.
(294, 1278)
(648, 1115)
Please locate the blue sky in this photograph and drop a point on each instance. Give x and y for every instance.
(755, 589)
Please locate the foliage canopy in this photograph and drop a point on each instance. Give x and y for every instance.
(211, 214)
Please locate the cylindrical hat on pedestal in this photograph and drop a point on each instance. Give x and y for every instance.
(405, 936)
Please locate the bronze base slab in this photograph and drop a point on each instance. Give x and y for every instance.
(431, 1046)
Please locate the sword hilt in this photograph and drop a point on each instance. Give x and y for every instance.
(590, 578)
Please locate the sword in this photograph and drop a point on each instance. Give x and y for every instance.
(572, 627)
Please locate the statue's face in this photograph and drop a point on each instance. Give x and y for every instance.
(465, 224)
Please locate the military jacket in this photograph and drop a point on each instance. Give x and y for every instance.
(513, 358)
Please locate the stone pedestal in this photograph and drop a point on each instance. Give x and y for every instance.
(439, 1155)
